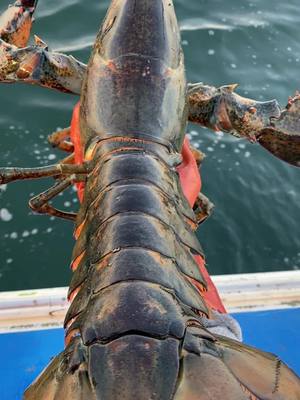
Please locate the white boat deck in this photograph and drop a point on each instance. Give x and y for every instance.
(46, 308)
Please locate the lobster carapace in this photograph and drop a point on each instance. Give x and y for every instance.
(136, 324)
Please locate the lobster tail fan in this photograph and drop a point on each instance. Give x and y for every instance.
(203, 375)
(66, 377)
(215, 368)
(261, 373)
(139, 368)
(132, 366)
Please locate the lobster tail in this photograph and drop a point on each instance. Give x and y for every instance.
(66, 377)
(130, 367)
(228, 370)
(202, 367)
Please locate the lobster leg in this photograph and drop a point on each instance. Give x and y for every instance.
(16, 22)
(198, 155)
(40, 205)
(67, 171)
(203, 208)
(60, 140)
(58, 170)
(70, 159)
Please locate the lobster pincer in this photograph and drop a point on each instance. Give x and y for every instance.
(16, 22)
(35, 65)
(224, 110)
(276, 129)
(282, 136)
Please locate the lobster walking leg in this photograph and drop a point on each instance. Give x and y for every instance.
(40, 205)
(13, 174)
(203, 208)
(61, 140)
(198, 155)
(191, 182)
(70, 172)
(69, 160)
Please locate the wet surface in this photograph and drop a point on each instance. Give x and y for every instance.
(255, 223)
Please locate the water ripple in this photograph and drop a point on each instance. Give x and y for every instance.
(82, 43)
(50, 9)
(197, 24)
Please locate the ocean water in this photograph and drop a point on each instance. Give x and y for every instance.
(255, 226)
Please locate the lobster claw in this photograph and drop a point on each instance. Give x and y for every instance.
(16, 22)
(282, 137)
(40, 43)
(35, 65)
(242, 116)
(223, 109)
(27, 3)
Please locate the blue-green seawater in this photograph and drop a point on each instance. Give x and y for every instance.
(255, 226)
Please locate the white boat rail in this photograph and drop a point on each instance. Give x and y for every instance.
(46, 308)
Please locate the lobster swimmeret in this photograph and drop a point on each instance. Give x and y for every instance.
(135, 327)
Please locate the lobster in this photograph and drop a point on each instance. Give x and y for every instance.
(136, 326)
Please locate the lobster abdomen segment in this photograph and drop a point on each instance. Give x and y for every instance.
(140, 166)
(133, 264)
(138, 264)
(130, 306)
